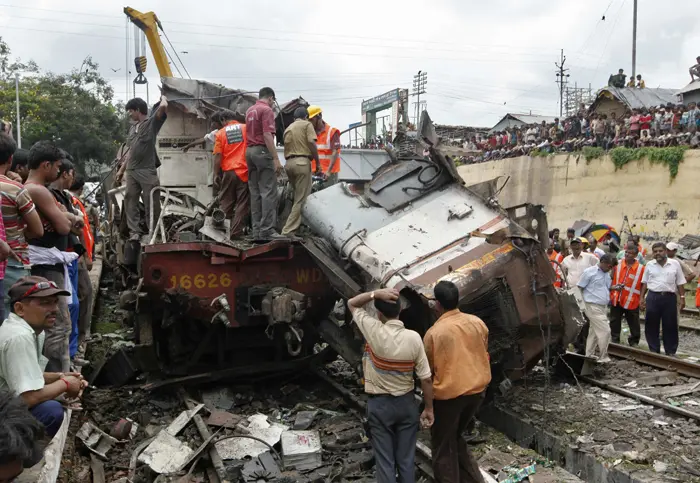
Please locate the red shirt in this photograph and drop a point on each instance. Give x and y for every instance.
(258, 120)
(646, 121)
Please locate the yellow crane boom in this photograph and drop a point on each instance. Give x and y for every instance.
(149, 24)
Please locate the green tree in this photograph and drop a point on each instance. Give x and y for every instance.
(76, 110)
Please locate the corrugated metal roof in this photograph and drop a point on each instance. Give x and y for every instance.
(692, 87)
(525, 119)
(641, 98)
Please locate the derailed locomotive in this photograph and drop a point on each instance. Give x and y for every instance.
(201, 303)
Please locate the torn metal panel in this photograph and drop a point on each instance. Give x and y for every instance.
(95, 439)
(203, 98)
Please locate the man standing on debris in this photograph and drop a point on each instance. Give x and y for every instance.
(34, 309)
(456, 341)
(595, 284)
(299, 151)
(141, 163)
(231, 169)
(47, 253)
(577, 262)
(625, 302)
(662, 284)
(392, 355)
(20, 438)
(328, 147)
(263, 164)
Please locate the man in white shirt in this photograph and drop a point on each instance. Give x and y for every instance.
(595, 285)
(577, 262)
(662, 284)
(34, 303)
(392, 355)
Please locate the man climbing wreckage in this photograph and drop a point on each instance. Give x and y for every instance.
(206, 306)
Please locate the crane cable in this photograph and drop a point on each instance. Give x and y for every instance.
(176, 55)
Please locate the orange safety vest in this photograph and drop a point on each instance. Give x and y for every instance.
(323, 143)
(697, 297)
(87, 231)
(557, 257)
(231, 143)
(631, 278)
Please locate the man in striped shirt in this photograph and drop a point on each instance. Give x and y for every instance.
(18, 217)
(392, 355)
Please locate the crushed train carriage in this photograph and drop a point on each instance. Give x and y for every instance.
(201, 303)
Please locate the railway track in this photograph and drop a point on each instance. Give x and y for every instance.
(653, 359)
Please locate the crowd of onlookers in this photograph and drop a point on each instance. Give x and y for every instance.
(47, 240)
(662, 126)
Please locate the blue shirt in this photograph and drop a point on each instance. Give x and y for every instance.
(595, 285)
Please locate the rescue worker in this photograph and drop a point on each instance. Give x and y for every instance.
(263, 163)
(556, 260)
(392, 355)
(231, 169)
(664, 282)
(141, 163)
(627, 277)
(299, 151)
(328, 147)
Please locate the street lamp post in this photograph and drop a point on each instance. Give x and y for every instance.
(19, 130)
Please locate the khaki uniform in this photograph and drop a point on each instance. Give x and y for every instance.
(298, 167)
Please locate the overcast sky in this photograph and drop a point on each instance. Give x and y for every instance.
(483, 58)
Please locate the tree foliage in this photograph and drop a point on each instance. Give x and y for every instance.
(76, 110)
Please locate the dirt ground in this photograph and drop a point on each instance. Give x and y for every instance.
(619, 430)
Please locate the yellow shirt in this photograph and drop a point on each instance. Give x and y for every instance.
(457, 349)
(392, 354)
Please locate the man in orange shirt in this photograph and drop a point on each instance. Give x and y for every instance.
(457, 350)
(231, 169)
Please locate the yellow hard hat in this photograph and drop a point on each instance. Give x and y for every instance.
(314, 111)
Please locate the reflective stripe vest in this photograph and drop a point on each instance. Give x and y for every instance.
(557, 257)
(231, 144)
(323, 143)
(631, 278)
(87, 231)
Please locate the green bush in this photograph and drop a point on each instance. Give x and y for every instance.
(670, 156)
(591, 153)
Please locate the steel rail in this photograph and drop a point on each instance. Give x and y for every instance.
(655, 360)
(642, 398)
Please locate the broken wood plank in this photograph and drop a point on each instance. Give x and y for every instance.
(681, 390)
(661, 378)
(182, 419)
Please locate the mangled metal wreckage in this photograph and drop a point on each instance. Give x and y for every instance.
(205, 307)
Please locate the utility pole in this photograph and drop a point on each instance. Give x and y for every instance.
(562, 80)
(634, 41)
(419, 82)
(19, 130)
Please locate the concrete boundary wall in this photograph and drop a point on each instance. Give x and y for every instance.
(571, 188)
